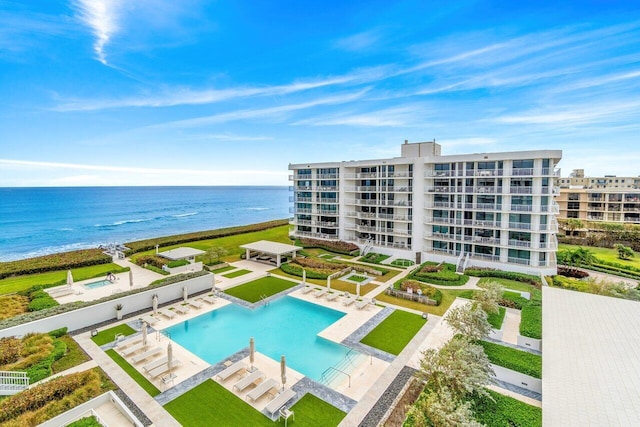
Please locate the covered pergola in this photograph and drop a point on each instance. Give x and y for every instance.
(267, 250)
(189, 254)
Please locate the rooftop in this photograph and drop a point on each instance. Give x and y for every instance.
(181, 253)
(273, 248)
(591, 360)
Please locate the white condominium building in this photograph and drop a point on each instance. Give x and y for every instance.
(486, 210)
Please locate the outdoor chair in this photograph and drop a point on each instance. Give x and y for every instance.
(262, 389)
(231, 370)
(252, 378)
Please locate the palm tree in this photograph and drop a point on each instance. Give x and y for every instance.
(583, 256)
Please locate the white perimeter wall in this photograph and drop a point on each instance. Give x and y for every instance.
(105, 311)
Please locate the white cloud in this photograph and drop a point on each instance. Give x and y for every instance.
(404, 116)
(102, 17)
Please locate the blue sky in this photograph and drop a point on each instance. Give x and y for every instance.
(189, 92)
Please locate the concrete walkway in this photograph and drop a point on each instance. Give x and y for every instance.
(141, 398)
(610, 277)
(511, 326)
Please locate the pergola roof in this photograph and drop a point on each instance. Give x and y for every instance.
(591, 360)
(271, 248)
(181, 253)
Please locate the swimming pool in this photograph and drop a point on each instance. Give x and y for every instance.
(98, 284)
(286, 326)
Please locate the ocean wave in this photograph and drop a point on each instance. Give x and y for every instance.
(185, 214)
(258, 209)
(126, 221)
(65, 229)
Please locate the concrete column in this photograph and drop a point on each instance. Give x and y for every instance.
(248, 254)
(278, 260)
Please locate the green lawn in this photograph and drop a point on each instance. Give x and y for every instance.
(394, 332)
(509, 284)
(236, 273)
(605, 254)
(133, 373)
(223, 269)
(210, 404)
(531, 321)
(108, 335)
(20, 283)
(496, 319)
(253, 290)
(232, 243)
(357, 278)
(500, 410)
(511, 358)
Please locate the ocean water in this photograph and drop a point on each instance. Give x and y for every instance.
(39, 221)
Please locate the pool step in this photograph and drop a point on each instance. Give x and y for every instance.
(348, 364)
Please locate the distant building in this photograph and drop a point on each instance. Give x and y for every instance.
(609, 198)
(484, 209)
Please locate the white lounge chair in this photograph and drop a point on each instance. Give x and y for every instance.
(163, 369)
(231, 370)
(362, 304)
(209, 299)
(130, 350)
(61, 291)
(279, 401)
(147, 354)
(333, 296)
(182, 309)
(129, 341)
(152, 365)
(195, 303)
(307, 289)
(252, 378)
(261, 389)
(320, 293)
(348, 301)
(149, 319)
(166, 313)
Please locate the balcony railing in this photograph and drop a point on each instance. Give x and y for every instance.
(522, 261)
(520, 243)
(521, 190)
(520, 225)
(485, 257)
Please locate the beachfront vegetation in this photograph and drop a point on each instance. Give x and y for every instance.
(59, 261)
(55, 278)
(498, 410)
(514, 359)
(236, 273)
(63, 308)
(255, 289)
(109, 335)
(210, 404)
(394, 332)
(133, 373)
(45, 401)
(374, 258)
(438, 274)
(206, 236)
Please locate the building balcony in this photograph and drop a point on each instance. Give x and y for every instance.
(522, 172)
(315, 235)
(520, 225)
(300, 210)
(519, 243)
(521, 261)
(521, 190)
(485, 257)
(395, 245)
(447, 252)
(300, 199)
(328, 200)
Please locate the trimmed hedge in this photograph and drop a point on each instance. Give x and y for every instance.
(438, 274)
(531, 321)
(64, 308)
(500, 274)
(296, 270)
(513, 300)
(496, 319)
(153, 260)
(337, 246)
(374, 258)
(54, 262)
(178, 263)
(498, 410)
(510, 358)
(40, 300)
(148, 244)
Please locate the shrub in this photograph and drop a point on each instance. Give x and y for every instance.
(497, 410)
(500, 274)
(177, 263)
(53, 262)
(296, 270)
(374, 258)
(511, 358)
(57, 333)
(154, 260)
(9, 350)
(438, 274)
(531, 321)
(337, 246)
(572, 272)
(513, 300)
(145, 245)
(428, 291)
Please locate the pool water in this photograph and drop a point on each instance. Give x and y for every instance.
(98, 284)
(286, 326)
